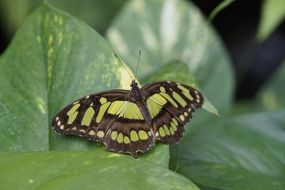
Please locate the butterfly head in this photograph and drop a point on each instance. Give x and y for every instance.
(134, 83)
(136, 92)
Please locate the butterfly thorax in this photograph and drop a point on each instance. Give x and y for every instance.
(136, 92)
(139, 98)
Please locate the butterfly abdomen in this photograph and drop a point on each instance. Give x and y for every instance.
(140, 100)
(145, 112)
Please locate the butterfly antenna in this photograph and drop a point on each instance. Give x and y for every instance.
(137, 68)
(124, 66)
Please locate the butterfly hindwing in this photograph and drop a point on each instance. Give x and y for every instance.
(109, 117)
(129, 137)
(171, 106)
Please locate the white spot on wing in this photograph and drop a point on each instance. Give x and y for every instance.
(82, 131)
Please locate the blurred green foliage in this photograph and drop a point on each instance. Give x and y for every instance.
(272, 15)
(96, 13)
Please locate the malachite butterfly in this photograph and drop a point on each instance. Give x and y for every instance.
(131, 121)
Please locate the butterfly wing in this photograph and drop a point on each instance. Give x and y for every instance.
(109, 117)
(171, 106)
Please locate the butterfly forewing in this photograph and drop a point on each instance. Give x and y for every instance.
(85, 116)
(171, 105)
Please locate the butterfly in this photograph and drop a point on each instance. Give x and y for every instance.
(131, 121)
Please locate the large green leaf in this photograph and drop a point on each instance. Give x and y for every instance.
(241, 153)
(84, 170)
(167, 30)
(53, 60)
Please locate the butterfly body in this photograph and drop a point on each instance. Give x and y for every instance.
(130, 121)
(140, 100)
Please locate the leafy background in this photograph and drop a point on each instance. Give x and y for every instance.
(55, 58)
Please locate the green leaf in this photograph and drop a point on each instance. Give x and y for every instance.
(167, 30)
(84, 170)
(271, 97)
(219, 8)
(178, 71)
(241, 153)
(272, 14)
(53, 60)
